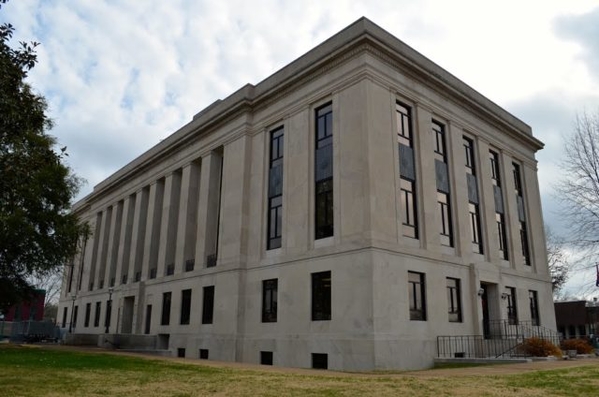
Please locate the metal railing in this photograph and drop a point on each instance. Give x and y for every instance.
(503, 339)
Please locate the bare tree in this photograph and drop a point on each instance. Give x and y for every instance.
(50, 282)
(579, 190)
(557, 259)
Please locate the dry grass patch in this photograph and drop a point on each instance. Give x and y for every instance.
(60, 372)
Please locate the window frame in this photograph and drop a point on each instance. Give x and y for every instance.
(512, 306)
(322, 295)
(454, 300)
(185, 313)
(533, 300)
(274, 220)
(165, 315)
(417, 296)
(324, 206)
(208, 304)
(270, 291)
(97, 314)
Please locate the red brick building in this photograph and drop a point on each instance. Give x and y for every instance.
(32, 310)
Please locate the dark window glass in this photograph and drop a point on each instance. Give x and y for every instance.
(97, 314)
(323, 208)
(74, 316)
(321, 296)
(469, 156)
(495, 175)
(524, 242)
(266, 358)
(443, 196)
(534, 307)
(404, 124)
(407, 181)
(170, 269)
(88, 310)
(417, 296)
(204, 354)
(521, 214)
(208, 305)
(500, 221)
(445, 213)
(181, 352)
(64, 317)
(269, 300)
(320, 361)
(408, 205)
(108, 313)
(185, 306)
(275, 221)
(148, 319)
(439, 137)
(275, 196)
(475, 228)
(512, 309)
(517, 180)
(189, 265)
(454, 300)
(165, 319)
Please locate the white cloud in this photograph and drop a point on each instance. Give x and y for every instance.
(121, 75)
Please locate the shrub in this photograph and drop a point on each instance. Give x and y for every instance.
(582, 346)
(537, 347)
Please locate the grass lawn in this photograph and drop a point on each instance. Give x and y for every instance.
(38, 371)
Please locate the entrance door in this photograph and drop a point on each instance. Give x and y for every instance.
(485, 303)
(128, 305)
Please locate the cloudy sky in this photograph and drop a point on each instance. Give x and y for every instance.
(121, 75)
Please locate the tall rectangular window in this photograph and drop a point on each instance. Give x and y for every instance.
(512, 309)
(533, 300)
(185, 306)
(454, 300)
(416, 289)
(75, 316)
(208, 305)
(108, 313)
(165, 319)
(443, 191)
(148, 319)
(499, 208)
(521, 214)
(97, 314)
(473, 200)
(275, 189)
(321, 296)
(323, 172)
(64, 317)
(269, 300)
(407, 171)
(88, 310)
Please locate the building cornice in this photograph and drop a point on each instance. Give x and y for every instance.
(363, 36)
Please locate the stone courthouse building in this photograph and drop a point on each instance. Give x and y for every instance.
(343, 213)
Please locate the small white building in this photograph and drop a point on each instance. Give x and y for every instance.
(343, 213)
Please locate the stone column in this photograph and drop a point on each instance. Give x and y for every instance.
(426, 179)
(99, 280)
(188, 216)
(170, 214)
(208, 207)
(150, 252)
(462, 237)
(113, 245)
(138, 233)
(490, 235)
(124, 252)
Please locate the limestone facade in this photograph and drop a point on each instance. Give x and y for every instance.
(344, 212)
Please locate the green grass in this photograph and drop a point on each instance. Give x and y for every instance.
(35, 371)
